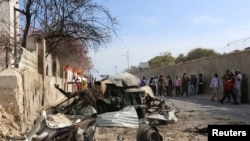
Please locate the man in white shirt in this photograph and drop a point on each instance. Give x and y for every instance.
(237, 87)
(214, 86)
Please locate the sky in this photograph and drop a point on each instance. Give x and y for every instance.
(148, 28)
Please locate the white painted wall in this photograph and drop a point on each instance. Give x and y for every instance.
(7, 16)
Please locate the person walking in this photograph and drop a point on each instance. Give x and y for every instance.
(214, 86)
(228, 87)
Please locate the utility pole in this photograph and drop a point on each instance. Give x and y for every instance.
(116, 69)
(127, 56)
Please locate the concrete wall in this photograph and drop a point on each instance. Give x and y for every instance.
(10, 85)
(207, 66)
(23, 93)
(26, 90)
(29, 60)
(39, 94)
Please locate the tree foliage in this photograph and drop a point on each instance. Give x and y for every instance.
(163, 59)
(64, 22)
(196, 53)
(7, 50)
(200, 53)
(180, 58)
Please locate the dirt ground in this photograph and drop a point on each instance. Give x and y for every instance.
(194, 114)
(197, 112)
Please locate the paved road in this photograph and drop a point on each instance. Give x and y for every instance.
(203, 103)
(196, 112)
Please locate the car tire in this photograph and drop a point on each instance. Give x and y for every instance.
(147, 133)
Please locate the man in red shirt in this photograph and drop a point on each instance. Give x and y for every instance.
(228, 87)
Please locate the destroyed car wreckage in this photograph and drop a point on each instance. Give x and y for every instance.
(115, 101)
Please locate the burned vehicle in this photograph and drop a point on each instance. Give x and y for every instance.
(112, 93)
(115, 101)
(116, 98)
(75, 103)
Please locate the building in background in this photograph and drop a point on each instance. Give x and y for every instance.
(143, 66)
(7, 16)
(8, 22)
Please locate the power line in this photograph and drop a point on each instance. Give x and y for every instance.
(239, 44)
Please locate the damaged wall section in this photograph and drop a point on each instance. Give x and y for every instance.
(27, 90)
(11, 92)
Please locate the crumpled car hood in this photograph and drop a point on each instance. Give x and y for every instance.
(122, 79)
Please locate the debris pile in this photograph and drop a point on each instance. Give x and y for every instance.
(8, 124)
(119, 103)
(60, 118)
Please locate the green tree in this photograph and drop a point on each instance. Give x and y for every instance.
(200, 53)
(163, 59)
(180, 58)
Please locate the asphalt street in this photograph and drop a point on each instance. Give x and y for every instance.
(197, 112)
(203, 103)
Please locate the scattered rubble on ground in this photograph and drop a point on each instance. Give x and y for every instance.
(8, 124)
(124, 104)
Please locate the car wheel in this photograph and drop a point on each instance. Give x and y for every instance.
(147, 133)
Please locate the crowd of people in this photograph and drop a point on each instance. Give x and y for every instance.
(179, 86)
(186, 85)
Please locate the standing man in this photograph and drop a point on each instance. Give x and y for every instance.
(166, 85)
(214, 86)
(195, 84)
(185, 81)
(170, 86)
(177, 85)
(237, 86)
(200, 84)
(155, 83)
(228, 87)
(152, 84)
(143, 81)
(226, 77)
(160, 85)
(191, 83)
